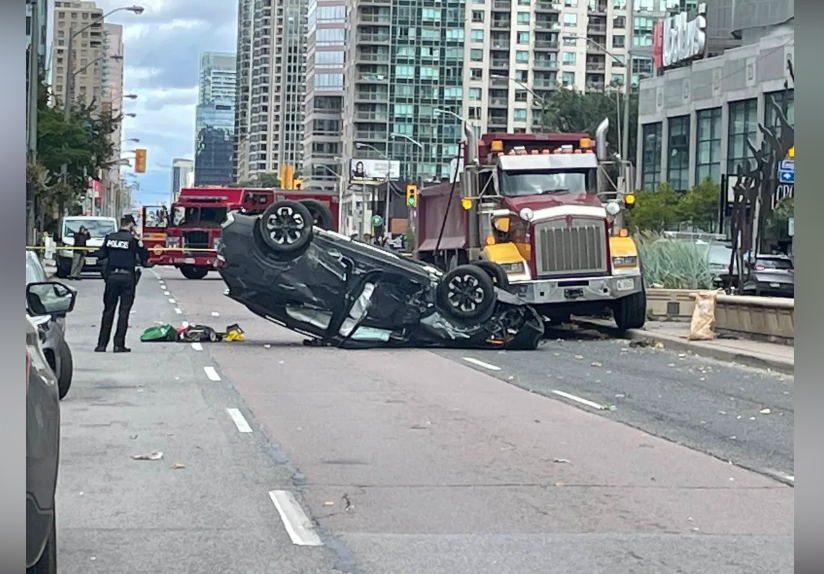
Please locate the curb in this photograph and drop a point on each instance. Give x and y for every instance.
(678, 344)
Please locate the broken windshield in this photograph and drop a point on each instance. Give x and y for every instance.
(192, 216)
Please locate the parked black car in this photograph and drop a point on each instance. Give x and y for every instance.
(351, 294)
(52, 329)
(771, 276)
(42, 429)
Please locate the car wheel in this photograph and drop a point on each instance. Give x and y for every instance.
(286, 226)
(48, 560)
(64, 377)
(495, 272)
(467, 292)
(194, 272)
(630, 312)
(321, 215)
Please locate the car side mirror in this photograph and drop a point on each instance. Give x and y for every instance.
(50, 298)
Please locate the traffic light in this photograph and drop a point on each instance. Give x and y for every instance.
(411, 195)
(140, 160)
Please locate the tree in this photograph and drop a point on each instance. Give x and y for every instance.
(268, 180)
(699, 206)
(572, 111)
(655, 211)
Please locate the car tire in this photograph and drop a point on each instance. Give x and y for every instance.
(630, 312)
(48, 560)
(497, 273)
(467, 292)
(194, 271)
(64, 377)
(286, 226)
(321, 215)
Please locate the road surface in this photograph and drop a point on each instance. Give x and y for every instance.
(409, 461)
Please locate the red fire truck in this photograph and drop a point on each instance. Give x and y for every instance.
(185, 235)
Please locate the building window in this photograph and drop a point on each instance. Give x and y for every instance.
(476, 55)
(477, 16)
(523, 18)
(651, 169)
(476, 35)
(523, 38)
(568, 78)
(569, 58)
(522, 57)
(475, 94)
(743, 126)
(519, 115)
(678, 153)
(619, 22)
(708, 150)
(618, 41)
(570, 20)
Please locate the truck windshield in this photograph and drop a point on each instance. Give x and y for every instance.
(520, 183)
(97, 227)
(191, 216)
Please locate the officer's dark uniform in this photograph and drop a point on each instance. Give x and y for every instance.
(121, 251)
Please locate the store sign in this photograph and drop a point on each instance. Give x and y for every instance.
(677, 39)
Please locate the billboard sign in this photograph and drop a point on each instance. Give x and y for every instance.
(373, 171)
(677, 39)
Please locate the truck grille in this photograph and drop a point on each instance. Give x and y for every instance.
(569, 247)
(196, 239)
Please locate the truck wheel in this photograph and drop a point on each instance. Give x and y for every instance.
(467, 292)
(194, 271)
(630, 312)
(64, 377)
(321, 215)
(495, 272)
(48, 560)
(286, 226)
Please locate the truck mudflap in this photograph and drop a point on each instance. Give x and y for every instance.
(570, 290)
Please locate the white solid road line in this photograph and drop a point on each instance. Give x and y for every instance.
(297, 524)
(171, 301)
(178, 310)
(481, 364)
(239, 421)
(166, 293)
(197, 346)
(211, 373)
(580, 400)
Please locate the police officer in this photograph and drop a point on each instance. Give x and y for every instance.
(121, 251)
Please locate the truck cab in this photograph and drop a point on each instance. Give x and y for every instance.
(534, 205)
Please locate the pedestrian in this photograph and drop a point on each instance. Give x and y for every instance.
(81, 238)
(121, 251)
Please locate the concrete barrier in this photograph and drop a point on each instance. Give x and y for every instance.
(763, 318)
(670, 304)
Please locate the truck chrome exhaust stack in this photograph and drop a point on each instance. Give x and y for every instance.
(601, 140)
(471, 145)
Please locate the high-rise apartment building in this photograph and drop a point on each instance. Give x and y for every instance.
(182, 176)
(404, 61)
(323, 104)
(42, 24)
(215, 119)
(111, 77)
(81, 25)
(271, 58)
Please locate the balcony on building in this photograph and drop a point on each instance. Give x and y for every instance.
(377, 113)
(500, 82)
(547, 22)
(374, 15)
(500, 40)
(369, 54)
(596, 63)
(373, 35)
(597, 7)
(499, 99)
(595, 48)
(501, 5)
(544, 80)
(500, 65)
(544, 63)
(548, 6)
(373, 74)
(546, 42)
(501, 22)
(371, 95)
(497, 122)
(595, 82)
(367, 135)
(377, 2)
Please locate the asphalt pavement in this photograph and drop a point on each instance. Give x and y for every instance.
(408, 461)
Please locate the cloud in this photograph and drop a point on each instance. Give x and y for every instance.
(162, 50)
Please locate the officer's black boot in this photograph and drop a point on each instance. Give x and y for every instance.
(122, 350)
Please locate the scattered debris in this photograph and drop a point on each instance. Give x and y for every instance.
(764, 411)
(560, 460)
(178, 466)
(596, 364)
(133, 437)
(329, 503)
(267, 346)
(154, 455)
(579, 356)
(347, 502)
(215, 314)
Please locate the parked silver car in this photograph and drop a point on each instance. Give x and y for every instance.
(771, 276)
(52, 331)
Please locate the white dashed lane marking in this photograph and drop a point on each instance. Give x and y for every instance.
(239, 420)
(579, 400)
(481, 364)
(197, 346)
(211, 373)
(300, 529)
(178, 310)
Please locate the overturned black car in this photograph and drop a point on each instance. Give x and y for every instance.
(319, 283)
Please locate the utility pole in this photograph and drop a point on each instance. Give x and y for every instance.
(628, 85)
(34, 97)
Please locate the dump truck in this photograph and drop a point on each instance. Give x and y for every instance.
(537, 211)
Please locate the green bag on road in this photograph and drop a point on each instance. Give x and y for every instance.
(161, 333)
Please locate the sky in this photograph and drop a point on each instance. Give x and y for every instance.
(162, 50)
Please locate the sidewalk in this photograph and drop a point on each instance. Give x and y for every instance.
(673, 335)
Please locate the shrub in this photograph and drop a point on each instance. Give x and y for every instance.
(674, 264)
